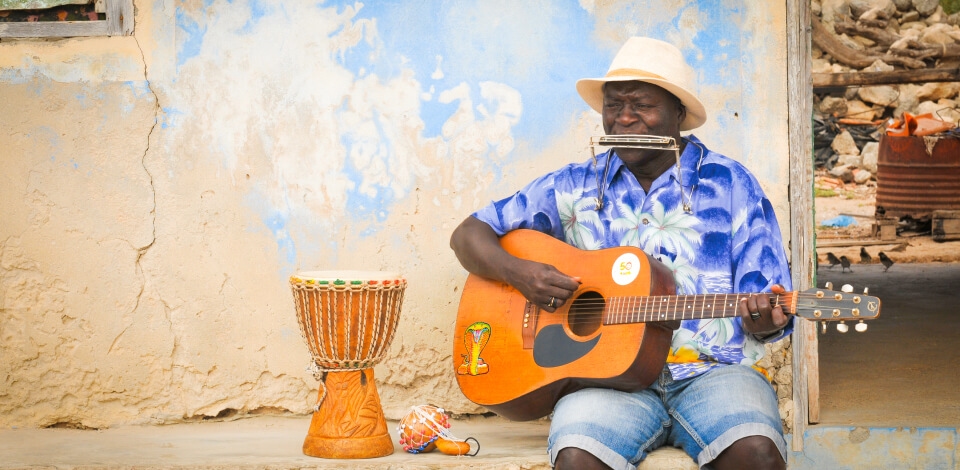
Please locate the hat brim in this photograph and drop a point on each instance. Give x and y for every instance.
(591, 90)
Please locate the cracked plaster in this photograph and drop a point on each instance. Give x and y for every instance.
(157, 190)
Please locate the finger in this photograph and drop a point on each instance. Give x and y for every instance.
(778, 289)
(743, 309)
(763, 302)
(779, 318)
(567, 283)
(753, 305)
(552, 304)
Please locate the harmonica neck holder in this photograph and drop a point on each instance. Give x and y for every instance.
(652, 142)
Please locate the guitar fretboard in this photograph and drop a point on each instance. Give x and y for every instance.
(635, 309)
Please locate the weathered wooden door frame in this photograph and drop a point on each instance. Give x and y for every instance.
(806, 375)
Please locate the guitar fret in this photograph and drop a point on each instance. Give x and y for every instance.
(642, 309)
(658, 308)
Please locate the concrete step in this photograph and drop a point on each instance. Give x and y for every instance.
(273, 442)
(862, 447)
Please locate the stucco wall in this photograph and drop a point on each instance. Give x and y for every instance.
(156, 191)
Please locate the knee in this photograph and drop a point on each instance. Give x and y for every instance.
(751, 452)
(574, 458)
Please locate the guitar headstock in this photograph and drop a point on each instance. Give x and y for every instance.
(825, 304)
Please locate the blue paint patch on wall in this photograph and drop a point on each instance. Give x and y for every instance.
(473, 42)
(171, 117)
(434, 115)
(13, 76)
(189, 37)
(718, 42)
(363, 206)
(139, 88)
(277, 223)
(257, 11)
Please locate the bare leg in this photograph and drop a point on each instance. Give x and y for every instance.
(754, 452)
(572, 458)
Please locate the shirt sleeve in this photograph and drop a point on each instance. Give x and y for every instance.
(533, 207)
(759, 257)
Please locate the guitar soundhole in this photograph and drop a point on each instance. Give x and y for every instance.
(586, 314)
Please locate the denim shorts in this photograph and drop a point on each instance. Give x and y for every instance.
(702, 415)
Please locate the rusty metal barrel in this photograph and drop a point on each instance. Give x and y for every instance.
(918, 175)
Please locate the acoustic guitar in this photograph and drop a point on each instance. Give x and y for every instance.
(516, 360)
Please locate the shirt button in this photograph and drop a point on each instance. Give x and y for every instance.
(645, 221)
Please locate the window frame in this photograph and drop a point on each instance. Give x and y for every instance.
(118, 22)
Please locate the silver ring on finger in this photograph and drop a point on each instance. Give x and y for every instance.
(755, 315)
(553, 302)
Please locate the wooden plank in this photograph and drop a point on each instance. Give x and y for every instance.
(834, 80)
(852, 242)
(800, 138)
(59, 29)
(812, 359)
(119, 17)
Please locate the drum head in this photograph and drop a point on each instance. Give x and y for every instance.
(347, 277)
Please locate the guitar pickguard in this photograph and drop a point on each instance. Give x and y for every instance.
(554, 348)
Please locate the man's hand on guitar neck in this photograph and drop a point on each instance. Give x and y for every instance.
(759, 317)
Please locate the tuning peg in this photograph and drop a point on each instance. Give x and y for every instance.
(828, 286)
(842, 327)
(860, 327)
(847, 288)
(823, 327)
(866, 290)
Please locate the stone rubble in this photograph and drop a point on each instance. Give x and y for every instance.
(848, 122)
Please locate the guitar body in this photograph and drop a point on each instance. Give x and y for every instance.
(517, 360)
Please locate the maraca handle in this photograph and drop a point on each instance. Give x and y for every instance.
(452, 447)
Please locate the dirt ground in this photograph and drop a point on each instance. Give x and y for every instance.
(870, 379)
(859, 202)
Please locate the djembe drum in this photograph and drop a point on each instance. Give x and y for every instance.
(348, 320)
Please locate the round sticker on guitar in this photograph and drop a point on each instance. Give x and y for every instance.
(625, 269)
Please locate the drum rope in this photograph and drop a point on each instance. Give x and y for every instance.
(324, 343)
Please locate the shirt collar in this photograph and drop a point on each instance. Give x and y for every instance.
(690, 160)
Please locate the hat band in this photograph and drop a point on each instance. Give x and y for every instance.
(633, 73)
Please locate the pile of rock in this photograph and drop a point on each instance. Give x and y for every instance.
(879, 36)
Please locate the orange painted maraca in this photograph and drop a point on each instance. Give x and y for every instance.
(425, 428)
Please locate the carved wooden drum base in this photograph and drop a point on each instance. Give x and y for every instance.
(350, 422)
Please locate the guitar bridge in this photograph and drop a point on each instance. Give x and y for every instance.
(528, 332)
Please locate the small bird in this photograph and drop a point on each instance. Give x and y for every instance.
(845, 264)
(900, 247)
(865, 257)
(832, 259)
(887, 262)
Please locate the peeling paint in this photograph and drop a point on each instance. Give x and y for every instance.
(158, 189)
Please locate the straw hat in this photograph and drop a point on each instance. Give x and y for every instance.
(652, 61)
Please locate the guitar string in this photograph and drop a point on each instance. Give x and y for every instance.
(826, 317)
(598, 306)
(667, 299)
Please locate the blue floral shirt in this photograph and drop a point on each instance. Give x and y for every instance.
(730, 243)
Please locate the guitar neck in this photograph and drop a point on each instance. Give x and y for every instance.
(622, 310)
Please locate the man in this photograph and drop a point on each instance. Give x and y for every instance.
(708, 222)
